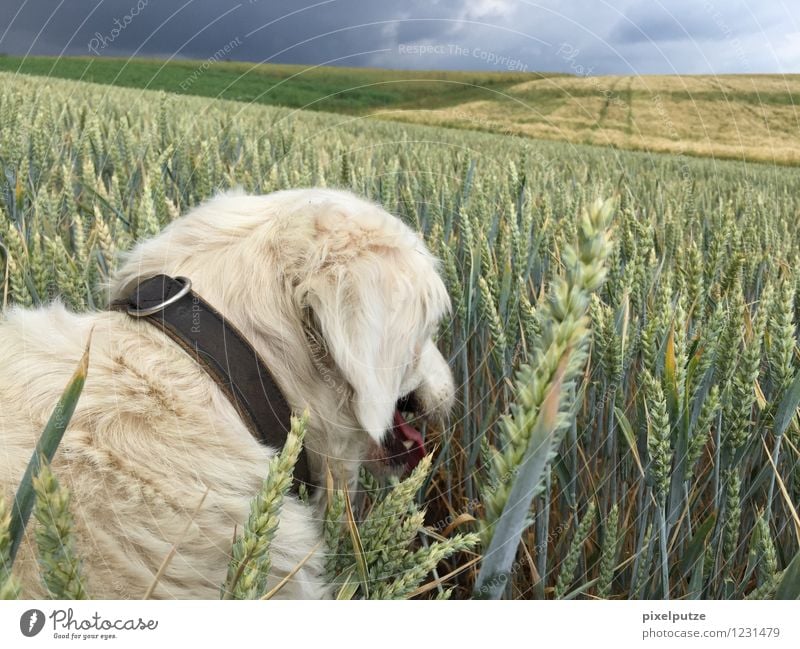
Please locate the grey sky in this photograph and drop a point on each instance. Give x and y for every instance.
(579, 36)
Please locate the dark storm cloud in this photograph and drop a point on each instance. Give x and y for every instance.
(292, 32)
(680, 20)
(600, 36)
(663, 26)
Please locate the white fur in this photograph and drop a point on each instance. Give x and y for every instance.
(340, 299)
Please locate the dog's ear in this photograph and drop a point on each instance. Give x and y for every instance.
(358, 311)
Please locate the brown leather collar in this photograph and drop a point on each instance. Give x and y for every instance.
(223, 352)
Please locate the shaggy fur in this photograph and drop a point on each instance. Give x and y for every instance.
(340, 299)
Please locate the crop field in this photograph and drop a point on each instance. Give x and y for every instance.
(623, 335)
(740, 117)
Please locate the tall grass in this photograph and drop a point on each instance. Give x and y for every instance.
(676, 472)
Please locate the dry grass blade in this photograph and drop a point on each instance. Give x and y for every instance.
(277, 588)
(358, 547)
(442, 580)
(787, 498)
(459, 520)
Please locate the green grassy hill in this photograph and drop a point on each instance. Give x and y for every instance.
(334, 89)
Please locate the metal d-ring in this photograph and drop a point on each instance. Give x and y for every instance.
(143, 313)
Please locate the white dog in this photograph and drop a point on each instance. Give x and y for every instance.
(339, 298)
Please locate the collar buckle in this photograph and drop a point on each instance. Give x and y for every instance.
(143, 313)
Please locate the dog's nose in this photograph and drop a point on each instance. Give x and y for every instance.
(409, 403)
(423, 405)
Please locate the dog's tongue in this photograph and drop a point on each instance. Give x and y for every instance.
(405, 446)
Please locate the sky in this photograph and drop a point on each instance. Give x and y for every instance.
(584, 37)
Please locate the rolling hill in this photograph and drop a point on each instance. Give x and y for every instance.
(745, 117)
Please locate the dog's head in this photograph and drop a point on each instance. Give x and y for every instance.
(373, 301)
(342, 300)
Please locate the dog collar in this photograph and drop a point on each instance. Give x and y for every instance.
(170, 304)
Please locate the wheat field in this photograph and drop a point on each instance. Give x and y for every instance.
(623, 339)
(738, 117)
